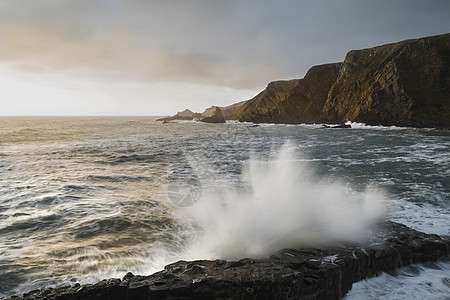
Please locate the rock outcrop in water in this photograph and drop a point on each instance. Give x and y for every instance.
(212, 115)
(308, 273)
(183, 115)
(293, 101)
(402, 84)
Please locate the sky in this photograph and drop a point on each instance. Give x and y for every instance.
(145, 57)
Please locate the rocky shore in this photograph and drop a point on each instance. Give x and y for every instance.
(308, 273)
(401, 84)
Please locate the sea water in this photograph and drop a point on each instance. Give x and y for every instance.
(88, 198)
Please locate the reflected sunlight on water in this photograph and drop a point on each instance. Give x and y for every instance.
(88, 198)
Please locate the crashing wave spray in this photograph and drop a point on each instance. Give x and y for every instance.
(284, 204)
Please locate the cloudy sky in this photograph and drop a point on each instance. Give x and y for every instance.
(148, 57)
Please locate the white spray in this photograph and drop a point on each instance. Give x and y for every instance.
(283, 205)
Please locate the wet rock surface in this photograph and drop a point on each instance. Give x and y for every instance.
(337, 126)
(308, 273)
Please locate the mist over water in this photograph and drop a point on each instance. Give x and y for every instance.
(283, 203)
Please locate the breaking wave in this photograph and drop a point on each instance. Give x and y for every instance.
(281, 204)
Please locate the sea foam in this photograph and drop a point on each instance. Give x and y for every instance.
(283, 203)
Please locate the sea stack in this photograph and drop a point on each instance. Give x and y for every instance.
(213, 115)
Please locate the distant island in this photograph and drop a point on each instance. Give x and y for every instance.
(214, 114)
(401, 84)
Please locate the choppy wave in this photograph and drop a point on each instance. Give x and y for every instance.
(283, 204)
(82, 199)
(428, 281)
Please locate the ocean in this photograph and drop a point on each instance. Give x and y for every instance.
(88, 198)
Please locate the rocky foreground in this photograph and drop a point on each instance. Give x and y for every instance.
(308, 273)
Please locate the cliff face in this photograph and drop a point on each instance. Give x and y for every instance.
(264, 106)
(404, 84)
(293, 101)
(230, 112)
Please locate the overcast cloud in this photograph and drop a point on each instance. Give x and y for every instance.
(230, 47)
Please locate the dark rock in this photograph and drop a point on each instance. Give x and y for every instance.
(337, 126)
(175, 117)
(213, 116)
(308, 273)
(138, 290)
(127, 276)
(293, 101)
(313, 264)
(116, 289)
(230, 112)
(182, 115)
(403, 84)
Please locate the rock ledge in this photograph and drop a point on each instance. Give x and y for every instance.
(308, 273)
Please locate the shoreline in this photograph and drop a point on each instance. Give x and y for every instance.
(307, 273)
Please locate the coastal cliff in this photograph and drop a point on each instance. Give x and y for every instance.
(293, 101)
(403, 84)
(230, 112)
